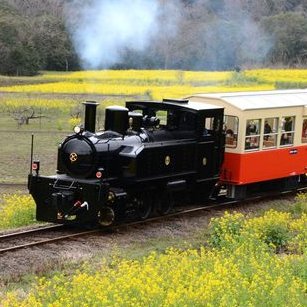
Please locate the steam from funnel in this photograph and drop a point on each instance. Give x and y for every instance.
(102, 28)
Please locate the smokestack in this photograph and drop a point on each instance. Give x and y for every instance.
(90, 115)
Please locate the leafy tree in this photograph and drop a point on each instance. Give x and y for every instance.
(33, 37)
(194, 34)
(289, 31)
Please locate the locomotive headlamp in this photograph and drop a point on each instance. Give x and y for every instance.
(78, 129)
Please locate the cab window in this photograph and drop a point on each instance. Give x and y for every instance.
(162, 115)
(287, 131)
(252, 135)
(208, 126)
(231, 126)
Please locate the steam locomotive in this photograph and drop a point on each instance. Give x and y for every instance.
(150, 154)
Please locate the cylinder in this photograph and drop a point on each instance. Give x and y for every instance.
(90, 115)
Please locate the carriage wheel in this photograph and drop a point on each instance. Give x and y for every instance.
(143, 204)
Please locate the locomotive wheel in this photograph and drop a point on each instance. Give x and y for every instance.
(143, 204)
(165, 204)
(106, 216)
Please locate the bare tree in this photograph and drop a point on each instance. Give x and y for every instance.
(23, 115)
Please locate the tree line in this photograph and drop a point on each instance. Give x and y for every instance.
(209, 34)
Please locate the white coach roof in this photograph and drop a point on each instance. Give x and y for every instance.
(258, 100)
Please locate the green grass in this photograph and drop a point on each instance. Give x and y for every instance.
(16, 149)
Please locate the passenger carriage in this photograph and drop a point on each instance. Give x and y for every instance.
(266, 139)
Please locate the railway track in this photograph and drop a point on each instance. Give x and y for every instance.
(55, 233)
(38, 236)
(11, 184)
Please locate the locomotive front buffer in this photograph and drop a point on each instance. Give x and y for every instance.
(60, 200)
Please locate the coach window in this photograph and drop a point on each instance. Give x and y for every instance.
(252, 136)
(231, 125)
(270, 132)
(287, 131)
(304, 131)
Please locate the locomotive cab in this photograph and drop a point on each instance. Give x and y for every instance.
(185, 145)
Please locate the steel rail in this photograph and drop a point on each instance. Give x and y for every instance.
(29, 231)
(212, 205)
(46, 241)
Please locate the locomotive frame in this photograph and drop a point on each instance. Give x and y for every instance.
(149, 153)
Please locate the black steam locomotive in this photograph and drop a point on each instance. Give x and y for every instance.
(150, 154)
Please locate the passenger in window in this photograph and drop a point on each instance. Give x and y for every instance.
(267, 130)
(252, 142)
(251, 128)
(248, 143)
(288, 124)
(284, 138)
(229, 133)
(229, 137)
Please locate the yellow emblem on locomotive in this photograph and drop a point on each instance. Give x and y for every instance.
(167, 160)
(73, 157)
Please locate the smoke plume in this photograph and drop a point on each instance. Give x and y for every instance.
(170, 34)
(101, 29)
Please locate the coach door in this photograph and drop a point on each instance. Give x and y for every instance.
(211, 146)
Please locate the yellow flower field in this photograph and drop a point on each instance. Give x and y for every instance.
(156, 92)
(141, 75)
(241, 269)
(16, 210)
(14, 103)
(154, 84)
(273, 75)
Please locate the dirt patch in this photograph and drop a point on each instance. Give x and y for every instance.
(13, 189)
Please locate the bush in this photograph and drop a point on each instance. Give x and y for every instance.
(300, 205)
(16, 210)
(290, 85)
(276, 236)
(240, 78)
(225, 230)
